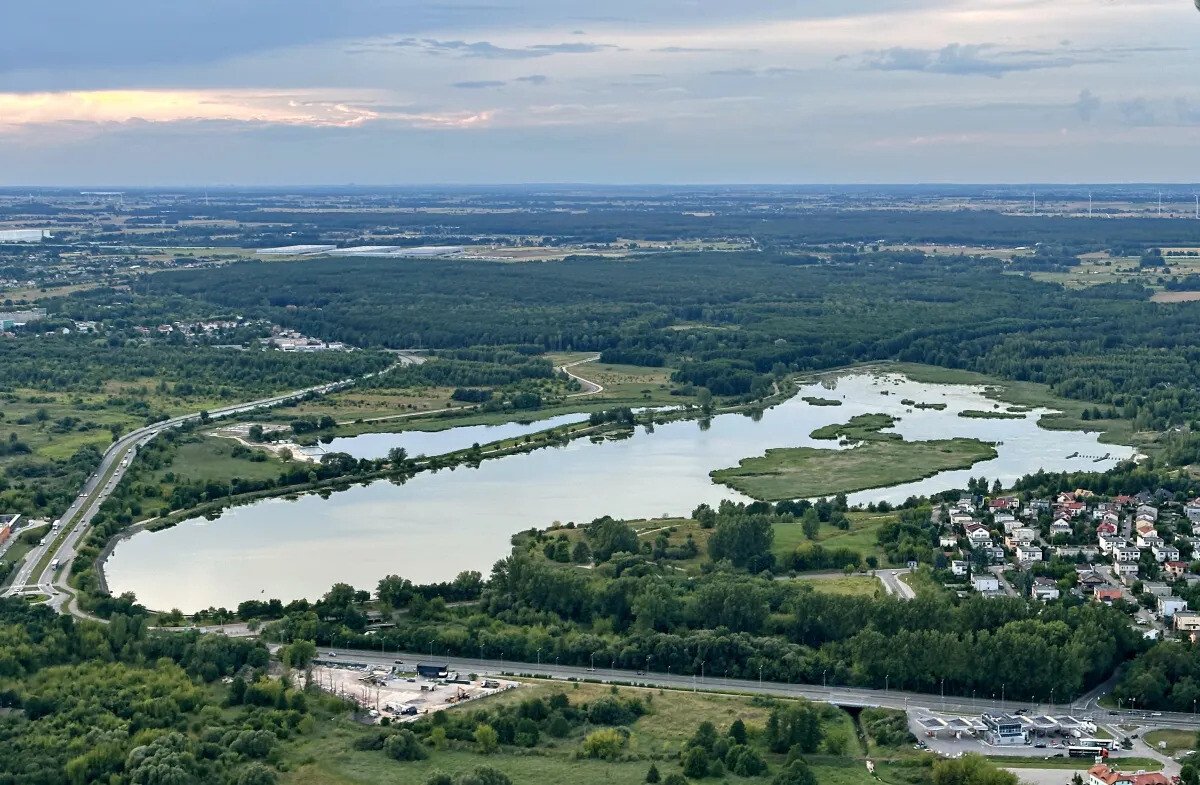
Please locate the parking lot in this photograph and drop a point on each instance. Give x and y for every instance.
(398, 692)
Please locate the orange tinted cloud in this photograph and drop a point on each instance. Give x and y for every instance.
(308, 108)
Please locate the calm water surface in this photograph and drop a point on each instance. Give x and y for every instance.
(439, 524)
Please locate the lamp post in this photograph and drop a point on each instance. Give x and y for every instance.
(592, 666)
(760, 676)
(482, 665)
(943, 693)
(539, 658)
(886, 677)
(823, 678)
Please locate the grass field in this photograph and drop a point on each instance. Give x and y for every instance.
(923, 583)
(862, 536)
(848, 586)
(211, 458)
(1176, 740)
(798, 472)
(328, 757)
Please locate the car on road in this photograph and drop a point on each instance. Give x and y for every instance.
(640, 673)
(331, 654)
(399, 662)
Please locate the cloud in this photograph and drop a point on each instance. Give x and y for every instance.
(488, 50)
(482, 84)
(533, 79)
(757, 72)
(1137, 111)
(1087, 105)
(313, 108)
(973, 60)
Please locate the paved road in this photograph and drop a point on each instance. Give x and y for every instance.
(894, 586)
(1086, 707)
(62, 546)
(589, 387)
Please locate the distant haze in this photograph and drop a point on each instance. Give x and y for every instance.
(145, 92)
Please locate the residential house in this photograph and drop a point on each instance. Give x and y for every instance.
(961, 519)
(1126, 571)
(1164, 553)
(1022, 535)
(1028, 553)
(1106, 596)
(1192, 511)
(1126, 554)
(1045, 589)
(1088, 552)
(1071, 509)
(1060, 528)
(959, 567)
(1039, 505)
(1147, 511)
(1008, 522)
(1169, 606)
(1110, 542)
(1108, 528)
(1149, 540)
(1175, 569)
(1186, 621)
(1157, 588)
(985, 583)
(995, 554)
(1103, 774)
(1004, 503)
(947, 541)
(1123, 500)
(978, 534)
(1089, 582)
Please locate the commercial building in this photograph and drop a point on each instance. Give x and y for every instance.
(1003, 730)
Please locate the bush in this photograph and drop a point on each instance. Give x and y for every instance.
(605, 744)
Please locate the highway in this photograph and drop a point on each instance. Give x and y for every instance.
(61, 545)
(1085, 707)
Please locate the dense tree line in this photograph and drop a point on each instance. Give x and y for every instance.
(632, 612)
(83, 703)
(707, 314)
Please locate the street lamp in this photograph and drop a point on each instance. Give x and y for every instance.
(943, 693)
(539, 658)
(592, 666)
(823, 678)
(886, 677)
(760, 676)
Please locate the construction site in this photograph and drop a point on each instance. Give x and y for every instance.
(401, 694)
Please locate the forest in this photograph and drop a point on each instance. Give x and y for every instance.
(730, 321)
(732, 619)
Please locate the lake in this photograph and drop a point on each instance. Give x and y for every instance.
(439, 524)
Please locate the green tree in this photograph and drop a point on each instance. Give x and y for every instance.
(796, 772)
(810, 523)
(486, 739)
(652, 775)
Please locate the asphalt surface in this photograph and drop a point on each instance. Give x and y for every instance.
(1087, 707)
(62, 546)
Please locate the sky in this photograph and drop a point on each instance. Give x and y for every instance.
(292, 92)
